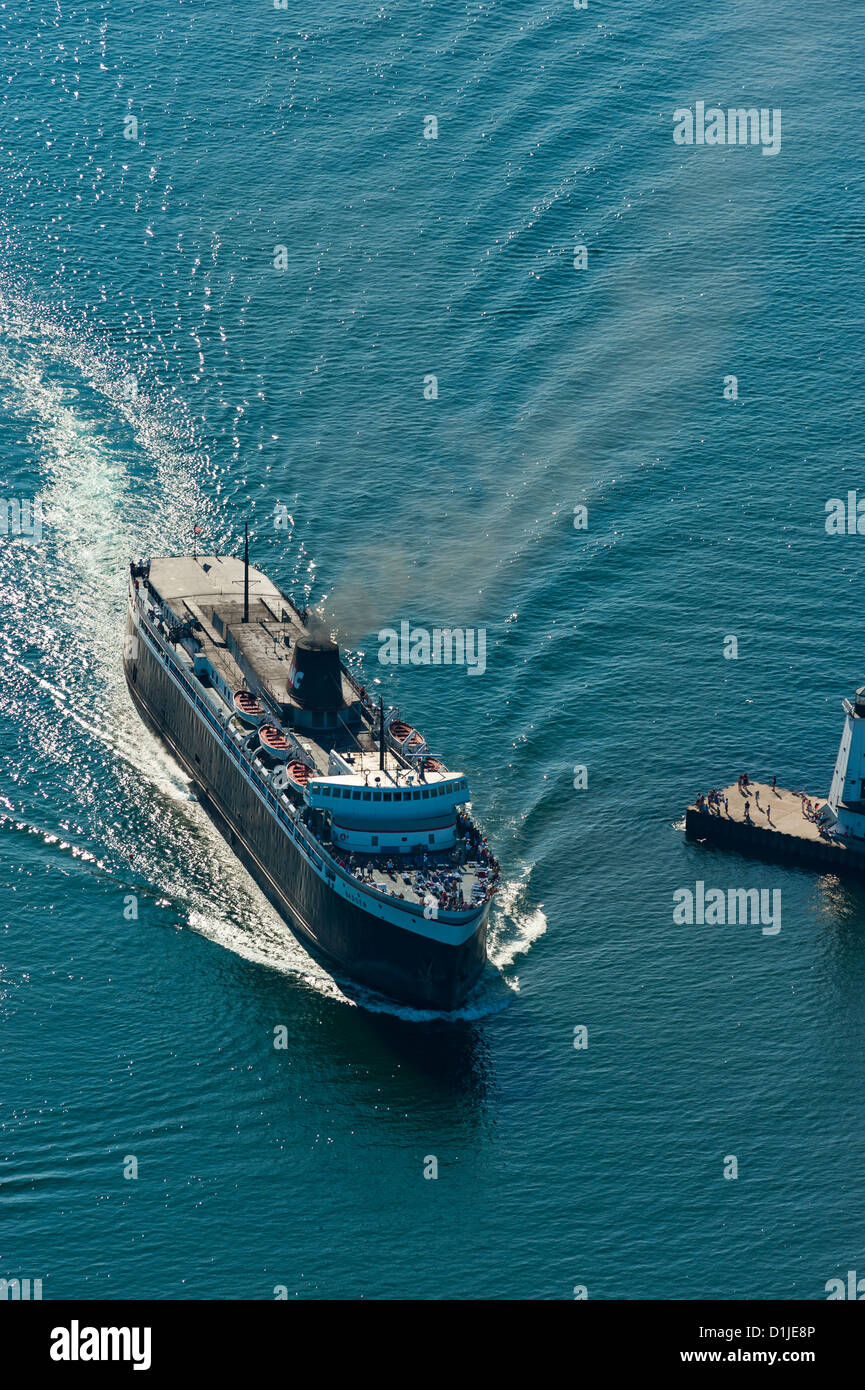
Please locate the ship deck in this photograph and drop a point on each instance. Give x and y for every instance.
(208, 588)
(413, 883)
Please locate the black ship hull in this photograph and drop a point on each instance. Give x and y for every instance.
(391, 959)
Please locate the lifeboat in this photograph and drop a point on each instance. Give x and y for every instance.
(298, 774)
(246, 705)
(273, 741)
(405, 735)
(434, 765)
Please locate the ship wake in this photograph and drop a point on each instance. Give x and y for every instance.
(102, 453)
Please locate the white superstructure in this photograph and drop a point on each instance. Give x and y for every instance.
(393, 811)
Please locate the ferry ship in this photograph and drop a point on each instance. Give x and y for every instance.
(354, 828)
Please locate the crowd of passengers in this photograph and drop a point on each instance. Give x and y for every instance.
(433, 883)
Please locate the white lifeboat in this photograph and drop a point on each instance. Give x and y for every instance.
(407, 737)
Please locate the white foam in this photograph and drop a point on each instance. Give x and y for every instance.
(96, 518)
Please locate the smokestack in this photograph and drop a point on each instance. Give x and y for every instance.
(246, 571)
(315, 676)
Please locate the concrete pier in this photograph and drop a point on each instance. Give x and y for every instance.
(784, 834)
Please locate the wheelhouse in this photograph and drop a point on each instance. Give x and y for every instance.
(376, 814)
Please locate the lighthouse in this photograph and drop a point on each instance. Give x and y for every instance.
(846, 801)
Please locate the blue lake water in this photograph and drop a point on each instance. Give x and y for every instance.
(158, 372)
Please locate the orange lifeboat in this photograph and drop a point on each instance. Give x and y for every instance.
(246, 705)
(298, 774)
(273, 741)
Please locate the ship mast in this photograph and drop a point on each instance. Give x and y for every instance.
(246, 571)
(381, 733)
